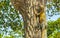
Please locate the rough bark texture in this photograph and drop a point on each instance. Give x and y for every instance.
(33, 14)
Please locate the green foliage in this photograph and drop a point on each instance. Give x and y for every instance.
(53, 28)
(0, 36)
(11, 21)
(9, 16)
(8, 37)
(57, 35)
(53, 34)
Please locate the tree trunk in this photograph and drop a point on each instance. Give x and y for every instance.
(34, 17)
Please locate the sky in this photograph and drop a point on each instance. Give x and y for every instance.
(53, 18)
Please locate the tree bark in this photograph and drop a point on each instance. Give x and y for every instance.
(33, 13)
